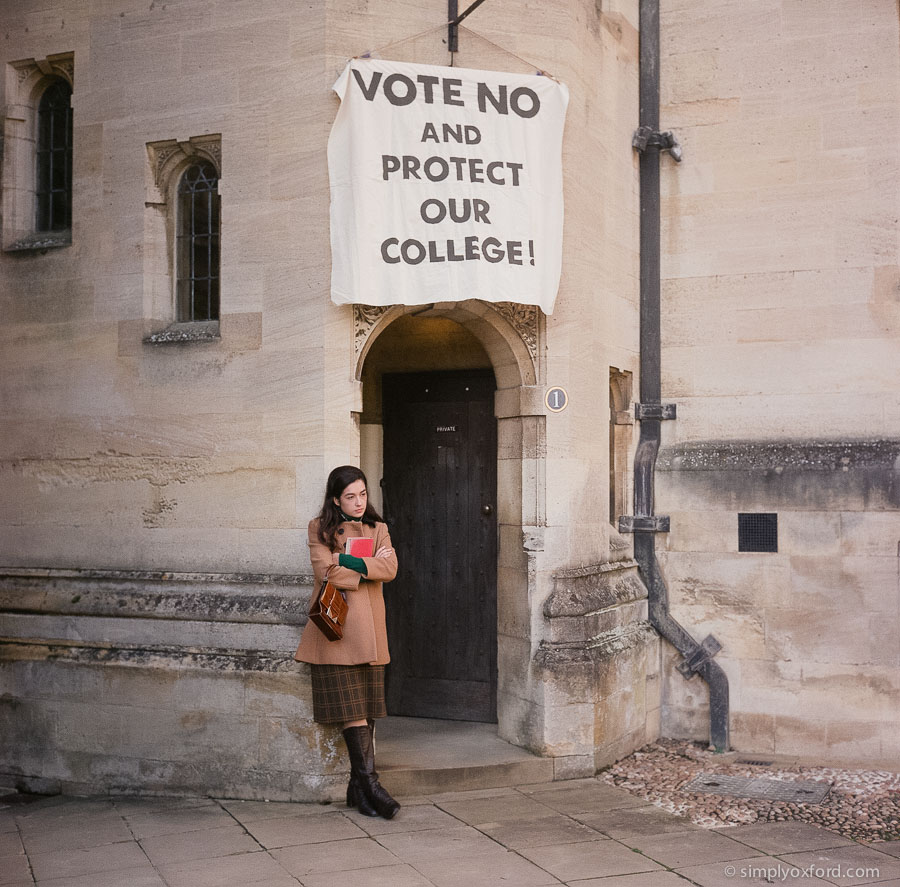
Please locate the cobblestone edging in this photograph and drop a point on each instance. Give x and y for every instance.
(863, 805)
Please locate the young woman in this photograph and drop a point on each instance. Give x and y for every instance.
(348, 675)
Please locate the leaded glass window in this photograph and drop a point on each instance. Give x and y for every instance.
(198, 244)
(54, 159)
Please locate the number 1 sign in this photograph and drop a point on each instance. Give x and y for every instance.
(556, 399)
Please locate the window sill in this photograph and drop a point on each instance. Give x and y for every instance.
(41, 242)
(183, 333)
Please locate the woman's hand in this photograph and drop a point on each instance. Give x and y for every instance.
(384, 552)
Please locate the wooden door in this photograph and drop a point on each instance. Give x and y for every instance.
(440, 481)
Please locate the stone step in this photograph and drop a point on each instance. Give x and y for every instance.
(425, 756)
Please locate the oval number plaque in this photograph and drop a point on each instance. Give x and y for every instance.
(556, 399)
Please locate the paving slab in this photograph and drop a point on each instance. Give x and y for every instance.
(292, 831)
(174, 821)
(558, 786)
(644, 879)
(140, 876)
(410, 819)
(10, 844)
(383, 876)
(502, 808)
(759, 871)
(469, 794)
(628, 822)
(228, 871)
(586, 796)
(14, 869)
(589, 859)
(50, 813)
(677, 849)
(892, 848)
(88, 861)
(255, 811)
(206, 844)
(334, 856)
(849, 864)
(129, 806)
(485, 871)
(555, 829)
(444, 843)
(85, 832)
(777, 838)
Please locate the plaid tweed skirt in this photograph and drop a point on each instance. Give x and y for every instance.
(344, 693)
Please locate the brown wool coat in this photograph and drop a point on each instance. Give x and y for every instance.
(365, 632)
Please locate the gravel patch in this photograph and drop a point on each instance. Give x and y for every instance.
(863, 805)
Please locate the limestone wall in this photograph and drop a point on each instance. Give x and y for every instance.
(117, 453)
(125, 447)
(781, 342)
(159, 684)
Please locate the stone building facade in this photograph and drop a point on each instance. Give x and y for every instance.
(158, 468)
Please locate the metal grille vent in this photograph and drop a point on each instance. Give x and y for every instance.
(807, 792)
(758, 532)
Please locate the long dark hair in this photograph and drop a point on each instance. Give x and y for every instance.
(330, 516)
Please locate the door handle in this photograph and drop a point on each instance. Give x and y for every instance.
(487, 510)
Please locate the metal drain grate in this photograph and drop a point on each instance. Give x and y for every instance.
(753, 763)
(759, 788)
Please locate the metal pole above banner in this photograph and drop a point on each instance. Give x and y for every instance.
(453, 20)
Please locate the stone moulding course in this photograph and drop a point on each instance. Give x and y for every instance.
(149, 656)
(814, 455)
(210, 597)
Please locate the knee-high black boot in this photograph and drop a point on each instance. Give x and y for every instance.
(362, 765)
(356, 798)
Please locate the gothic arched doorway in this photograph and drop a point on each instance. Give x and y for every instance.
(429, 385)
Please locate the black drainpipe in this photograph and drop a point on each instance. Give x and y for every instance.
(649, 141)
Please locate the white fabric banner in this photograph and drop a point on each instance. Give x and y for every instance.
(446, 184)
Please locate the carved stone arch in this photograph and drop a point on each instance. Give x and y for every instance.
(509, 333)
(35, 75)
(170, 157)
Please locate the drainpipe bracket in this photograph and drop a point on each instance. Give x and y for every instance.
(645, 137)
(703, 654)
(644, 523)
(654, 411)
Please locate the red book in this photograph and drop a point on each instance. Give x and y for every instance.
(360, 547)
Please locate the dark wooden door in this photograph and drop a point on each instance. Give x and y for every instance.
(440, 482)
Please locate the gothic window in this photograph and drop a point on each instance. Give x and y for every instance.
(53, 189)
(36, 171)
(183, 210)
(197, 262)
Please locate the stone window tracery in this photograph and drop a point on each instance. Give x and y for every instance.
(182, 227)
(38, 154)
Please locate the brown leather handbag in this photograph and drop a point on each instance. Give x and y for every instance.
(328, 611)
